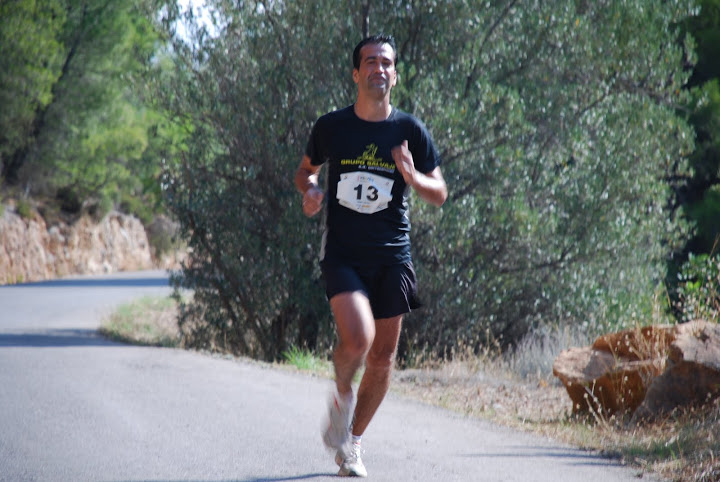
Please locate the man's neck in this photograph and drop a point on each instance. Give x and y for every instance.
(372, 110)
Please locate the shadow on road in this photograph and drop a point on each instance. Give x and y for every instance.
(54, 339)
(573, 456)
(160, 282)
(280, 479)
(273, 479)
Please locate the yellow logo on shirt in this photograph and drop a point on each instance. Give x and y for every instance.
(368, 160)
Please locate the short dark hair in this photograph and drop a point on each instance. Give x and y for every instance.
(374, 39)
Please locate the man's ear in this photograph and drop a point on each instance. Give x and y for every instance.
(356, 76)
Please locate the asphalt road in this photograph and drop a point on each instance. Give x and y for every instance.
(76, 407)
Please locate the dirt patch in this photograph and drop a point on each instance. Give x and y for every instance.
(485, 395)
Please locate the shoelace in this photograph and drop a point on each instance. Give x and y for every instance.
(355, 453)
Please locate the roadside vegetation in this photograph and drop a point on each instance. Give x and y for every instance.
(581, 173)
(150, 321)
(579, 141)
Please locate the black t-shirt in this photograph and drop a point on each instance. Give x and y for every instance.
(367, 198)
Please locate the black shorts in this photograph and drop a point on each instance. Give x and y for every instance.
(391, 289)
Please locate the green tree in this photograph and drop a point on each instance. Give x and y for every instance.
(558, 131)
(30, 55)
(562, 139)
(86, 140)
(254, 271)
(699, 194)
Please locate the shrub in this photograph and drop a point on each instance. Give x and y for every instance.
(137, 207)
(24, 209)
(699, 288)
(162, 236)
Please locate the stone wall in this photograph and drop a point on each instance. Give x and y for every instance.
(32, 251)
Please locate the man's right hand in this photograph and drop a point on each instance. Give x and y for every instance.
(312, 201)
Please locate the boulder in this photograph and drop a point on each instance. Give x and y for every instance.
(692, 375)
(646, 371)
(614, 373)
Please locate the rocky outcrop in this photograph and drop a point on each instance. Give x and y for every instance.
(647, 371)
(32, 251)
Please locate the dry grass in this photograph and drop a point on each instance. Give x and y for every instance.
(147, 321)
(515, 390)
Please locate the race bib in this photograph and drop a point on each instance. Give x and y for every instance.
(363, 192)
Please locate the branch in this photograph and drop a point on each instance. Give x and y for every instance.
(471, 78)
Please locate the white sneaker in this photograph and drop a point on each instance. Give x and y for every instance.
(350, 462)
(338, 426)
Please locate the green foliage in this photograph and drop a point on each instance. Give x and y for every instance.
(558, 130)
(254, 269)
(137, 206)
(93, 129)
(30, 61)
(24, 209)
(699, 288)
(162, 236)
(706, 215)
(305, 360)
(100, 209)
(699, 192)
(78, 124)
(704, 26)
(703, 113)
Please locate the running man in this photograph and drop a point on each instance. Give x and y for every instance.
(375, 154)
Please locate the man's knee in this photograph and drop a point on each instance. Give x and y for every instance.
(383, 359)
(355, 347)
(354, 321)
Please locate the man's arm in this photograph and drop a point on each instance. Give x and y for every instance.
(431, 186)
(306, 181)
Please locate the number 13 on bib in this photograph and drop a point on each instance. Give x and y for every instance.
(363, 192)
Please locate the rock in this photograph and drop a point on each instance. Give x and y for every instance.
(582, 372)
(646, 371)
(613, 374)
(692, 376)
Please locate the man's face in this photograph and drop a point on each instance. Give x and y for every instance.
(376, 74)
